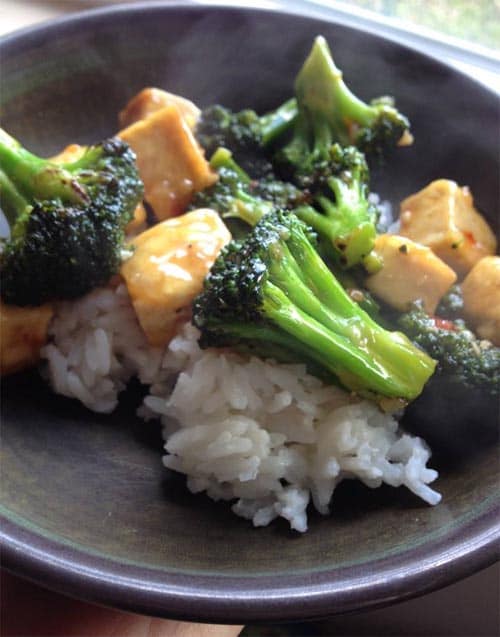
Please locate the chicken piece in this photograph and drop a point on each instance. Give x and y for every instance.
(167, 268)
(150, 100)
(481, 293)
(410, 272)
(23, 331)
(170, 161)
(442, 216)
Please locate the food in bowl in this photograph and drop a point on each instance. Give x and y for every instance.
(271, 357)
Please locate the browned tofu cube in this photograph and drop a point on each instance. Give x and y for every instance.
(167, 268)
(410, 272)
(23, 331)
(150, 100)
(171, 163)
(442, 216)
(138, 222)
(481, 292)
(71, 153)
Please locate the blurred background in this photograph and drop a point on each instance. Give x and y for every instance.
(474, 21)
(464, 33)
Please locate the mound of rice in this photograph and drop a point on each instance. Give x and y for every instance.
(273, 437)
(268, 436)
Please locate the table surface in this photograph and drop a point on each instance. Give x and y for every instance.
(470, 608)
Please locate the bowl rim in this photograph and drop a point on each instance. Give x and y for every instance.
(231, 599)
(72, 571)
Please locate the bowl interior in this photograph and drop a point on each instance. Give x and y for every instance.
(90, 490)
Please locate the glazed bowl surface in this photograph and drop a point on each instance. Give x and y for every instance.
(86, 506)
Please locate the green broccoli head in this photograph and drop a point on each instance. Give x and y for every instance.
(219, 126)
(336, 204)
(461, 356)
(341, 211)
(236, 195)
(457, 412)
(451, 306)
(272, 291)
(328, 112)
(67, 221)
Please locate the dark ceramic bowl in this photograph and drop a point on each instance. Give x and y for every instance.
(87, 508)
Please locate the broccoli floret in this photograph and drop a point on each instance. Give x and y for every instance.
(67, 220)
(272, 291)
(328, 112)
(458, 411)
(451, 306)
(338, 209)
(218, 126)
(247, 134)
(458, 352)
(236, 195)
(297, 136)
(342, 213)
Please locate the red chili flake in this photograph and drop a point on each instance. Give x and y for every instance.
(444, 324)
(469, 236)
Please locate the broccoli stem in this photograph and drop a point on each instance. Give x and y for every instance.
(329, 112)
(239, 203)
(320, 65)
(345, 219)
(67, 221)
(349, 246)
(325, 347)
(371, 352)
(273, 287)
(286, 349)
(321, 89)
(14, 205)
(275, 123)
(37, 178)
(222, 159)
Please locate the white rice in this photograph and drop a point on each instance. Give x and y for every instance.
(273, 437)
(268, 436)
(96, 346)
(386, 219)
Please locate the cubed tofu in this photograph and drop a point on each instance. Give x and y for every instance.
(170, 161)
(138, 222)
(167, 268)
(410, 272)
(481, 292)
(71, 153)
(23, 331)
(150, 100)
(442, 216)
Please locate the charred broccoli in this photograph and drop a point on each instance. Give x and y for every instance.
(338, 209)
(67, 220)
(451, 306)
(236, 195)
(218, 126)
(272, 292)
(458, 411)
(342, 213)
(460, 355)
